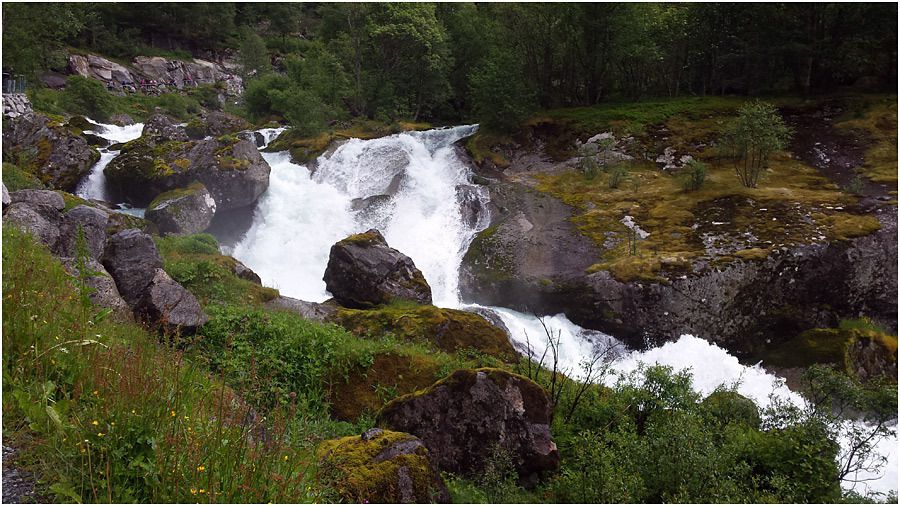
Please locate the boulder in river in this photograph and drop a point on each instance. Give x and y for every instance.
(363, 272)
(381, 466)
(48, 150)
(465, 417)
(187, 210)
(163, 128)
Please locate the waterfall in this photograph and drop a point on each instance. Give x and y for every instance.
(416, 190)
(93, 187)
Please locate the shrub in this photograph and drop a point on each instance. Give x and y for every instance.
(88, 97)
(693, 176)
(756, 133)
(617, 175)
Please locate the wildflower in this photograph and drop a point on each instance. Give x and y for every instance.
(133, 412)
(100, 434)
(173, 413)
(285, 458)
(113, 424)
(202, 491)
(95, 422)
(96, 392)
(201, 468)
(187, 417)
(34, 317)
(193, 491)
(63, 349)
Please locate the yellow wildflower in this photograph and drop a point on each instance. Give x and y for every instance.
(194, 491)
(201, 468)
(202, 491)
(95, 422)
(173, 413)
(100, 434)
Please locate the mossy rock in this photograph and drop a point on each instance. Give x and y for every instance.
(145, 169)
(367, 389)
(381, 466)
(732, 408)
(449, 330)
(196, 129)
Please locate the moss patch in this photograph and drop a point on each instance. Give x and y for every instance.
(306, 148)
(877, 121)
(177, 193)
(360, 473)
(449, 330)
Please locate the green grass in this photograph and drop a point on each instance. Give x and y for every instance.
(17, 179)
(138, 106)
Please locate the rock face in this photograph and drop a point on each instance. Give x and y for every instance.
(232, 170)
(463, 417)
(183, 211)
(95, 67)
(532, 258)
(363, 271)
(50, 151)
(381, 466)
(133, 261)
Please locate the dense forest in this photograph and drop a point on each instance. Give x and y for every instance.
(494, 62)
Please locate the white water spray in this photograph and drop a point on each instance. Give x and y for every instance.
(410, 187)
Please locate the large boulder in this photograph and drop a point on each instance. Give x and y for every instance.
(160, 127)
(381, 466)
(169, 304)
(48, 150)
(463, 418)
(182, 211)
(363, 271)
(218, 123)
(43, 200)
(95, 67)
(7, 200)
(43, 226)
(314, 311)
(232, 170)
(92, 222)
(133, 261)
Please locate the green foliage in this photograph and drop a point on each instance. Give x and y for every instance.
(500, 96)
(693, 176)
(33, 35)
(139, 107)
(253, 55)
(617, 175)
(752, 137)
(17, 179)
(257, 94)
(88, 97)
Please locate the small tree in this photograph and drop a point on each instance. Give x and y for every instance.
(694, 175)
(755, 134)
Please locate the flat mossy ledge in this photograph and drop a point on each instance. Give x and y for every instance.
(448, 330)
(368, 238)
(178, 193)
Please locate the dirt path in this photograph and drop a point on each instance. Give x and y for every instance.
(834, 152)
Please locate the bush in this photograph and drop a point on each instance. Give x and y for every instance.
(756, 133)
(89, 98)
(693, 176)
(617, 175)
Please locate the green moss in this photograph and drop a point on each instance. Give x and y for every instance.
(72, 200)
(177, 193)
(351, 466)
(195, 129)
(367, 238)
(449, 330)
(490, 258)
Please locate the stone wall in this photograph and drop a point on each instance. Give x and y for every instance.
(15, 104)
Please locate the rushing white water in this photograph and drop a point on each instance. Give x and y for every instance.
(410, 186)
(94, 185)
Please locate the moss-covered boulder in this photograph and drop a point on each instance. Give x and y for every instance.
(728, 407)
(48, 150)
(187, 210)
(363, 272)
(232, 170)
(448, 330)
(381, 466)
(463, 417)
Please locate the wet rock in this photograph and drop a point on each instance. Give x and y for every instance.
(232, 170)
(48, 150)
(462, 418)
(363, 271)
(92, 222)
(182, 211)
(381, 466)
(163, 128)
(472, 206)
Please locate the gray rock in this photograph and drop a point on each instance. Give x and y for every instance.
(169, 304)
(475, 213)
(92, 222)
(16, 104)
(121, 119)
(42, 225)
(464, 416)
(7, 200)
(104, 292)
(182, 211)
(132, 259)
(363, 271)
(163, 128)
(222, 123)
(242, 271)
(53, 153)
(317, 312)
(41, 198)
(53, 80)
(95, 67)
